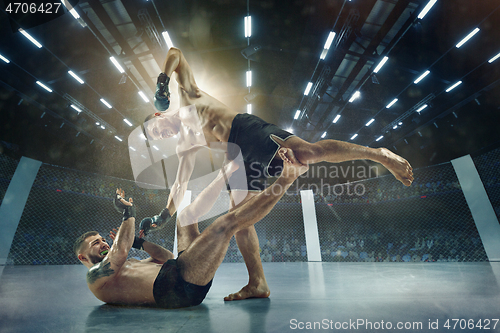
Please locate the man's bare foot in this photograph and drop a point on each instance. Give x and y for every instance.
(398, 166)
(248, 291)
(292, 168)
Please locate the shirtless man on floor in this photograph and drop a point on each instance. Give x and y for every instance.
(259, 142)
(161, 280)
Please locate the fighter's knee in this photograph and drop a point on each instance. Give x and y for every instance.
(317, 149)
(310, 153)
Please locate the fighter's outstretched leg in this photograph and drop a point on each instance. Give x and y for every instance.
(338, 151)
(201, 259)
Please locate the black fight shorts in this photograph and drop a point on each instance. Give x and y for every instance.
(253, 136)
(171, 291)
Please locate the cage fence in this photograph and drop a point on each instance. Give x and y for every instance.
(8, 166)
(372, 220)
(386, 221)
(488, 167)
(65, 203)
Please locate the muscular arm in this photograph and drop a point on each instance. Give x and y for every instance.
(184, 172)
(123, 242)
(207, 198)
(158, 253)
(116, 257)
(175, 62)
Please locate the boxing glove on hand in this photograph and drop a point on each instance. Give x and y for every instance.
(160, 221)
(127, 211)
(162, 94)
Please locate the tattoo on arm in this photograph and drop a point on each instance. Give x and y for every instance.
(99, 271)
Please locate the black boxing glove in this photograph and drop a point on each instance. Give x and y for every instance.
(160, 221)
(127, 211)
(162, 95)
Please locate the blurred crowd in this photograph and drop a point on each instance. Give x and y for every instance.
(433, 245)
(426, 245)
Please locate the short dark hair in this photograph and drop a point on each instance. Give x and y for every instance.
(148, 118)
(79, 241)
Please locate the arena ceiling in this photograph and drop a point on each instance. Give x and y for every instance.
(283, 53)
